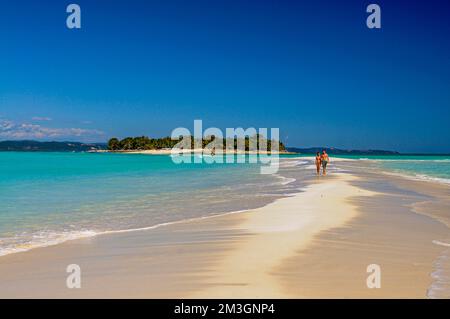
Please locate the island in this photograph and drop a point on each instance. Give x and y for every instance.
(145, 144)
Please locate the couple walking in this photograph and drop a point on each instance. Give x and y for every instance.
(322, 160)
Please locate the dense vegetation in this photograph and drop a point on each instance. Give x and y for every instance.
(146, 143)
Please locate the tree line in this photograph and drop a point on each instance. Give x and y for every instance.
(147, 143)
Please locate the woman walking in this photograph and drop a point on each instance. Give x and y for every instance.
(318, 162)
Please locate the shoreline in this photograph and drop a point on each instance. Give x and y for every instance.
(313, 244)
(258, 223)
(91, 233)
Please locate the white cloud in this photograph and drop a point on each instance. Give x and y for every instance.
(12, 130)
(41, 118)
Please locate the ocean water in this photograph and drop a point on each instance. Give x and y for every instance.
(434, 168)
(48, 198)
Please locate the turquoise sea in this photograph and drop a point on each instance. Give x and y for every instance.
(435, 168)
(47, 198)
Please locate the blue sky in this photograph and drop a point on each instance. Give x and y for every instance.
(311, 68)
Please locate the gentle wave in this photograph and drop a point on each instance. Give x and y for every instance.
(431, 178)
(440, 286)
(56, 238)
(44, 240)
(407, 160)
(285, 180)
(419, 177)
(440, 243)
(292, 163)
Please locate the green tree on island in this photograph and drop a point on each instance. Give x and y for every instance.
(113, 144)
(146, 143)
